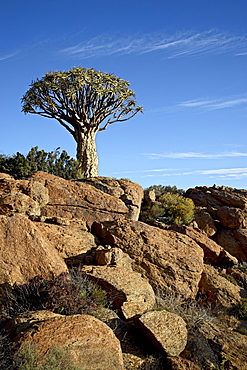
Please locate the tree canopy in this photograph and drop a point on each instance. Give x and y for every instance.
(56, 163)
(84, 101)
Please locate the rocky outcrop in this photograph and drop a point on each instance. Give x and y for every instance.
(81, 200)
(228, 209)
(165, 330)
(205, 222)
(129, 192)
(214, 254)
(218, 289)
(91, 225)
(169, 260)
(214, 346)
(131, 294)
(234, 241)
(91, 342)
(72, 241)
(25, 252)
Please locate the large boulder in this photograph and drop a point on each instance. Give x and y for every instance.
(231, 217)
(217, 345)
(218, 289)
(22, 196)
(91, 342)
(131, 294)
(71, 241)
(165, 330)
(171, 261)
(205, 221)
(214, 254)
(129, 192)
(234, 241)
(25, 252)
(204, 196)
(74, 199)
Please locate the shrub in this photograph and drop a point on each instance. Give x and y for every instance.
(70, 294)
(161, 189)
(67, 294)
(57, 358)
(55, 163)
(241, 309)
(177, 209)
(170, 209)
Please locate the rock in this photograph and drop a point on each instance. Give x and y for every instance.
(234, 241)
(131, 294)
(165, 330)
(129, 192)
(34, 189)
(25, 252)
(205, 222)
(74, 199)
(5, 176)
(217, 196)
(216, 346)
(218, 289)
(169, 260)
(18, 203)
(112, 256)
(180, 363)
(69, 241)
(231, 217)
(214, 254)
(149, 197)
(92, 343)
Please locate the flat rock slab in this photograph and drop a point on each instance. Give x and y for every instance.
(170, 261)
(165, 330)
(74, 199)
(131, 294)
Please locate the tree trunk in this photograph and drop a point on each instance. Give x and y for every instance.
(87, 154)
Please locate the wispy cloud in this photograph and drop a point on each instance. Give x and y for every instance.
(213, 104)
(8, 56)
(190, 155)
(221, 173)
(204, 105)
(172, 46)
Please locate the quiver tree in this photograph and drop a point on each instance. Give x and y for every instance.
(84, 101)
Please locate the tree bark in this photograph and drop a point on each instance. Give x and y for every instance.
(87, 154)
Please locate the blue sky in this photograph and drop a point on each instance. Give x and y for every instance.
(186, 60)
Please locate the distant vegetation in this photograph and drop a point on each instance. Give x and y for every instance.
(161, 189)
(169, 206)
(56, 163)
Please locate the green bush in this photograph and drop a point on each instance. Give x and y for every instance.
(170, 209)
(56, 163)
(161, 189)
(241, 309)
(70, 294)
(57, 358)
(67, 294)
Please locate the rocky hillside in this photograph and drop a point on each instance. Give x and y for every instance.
(176, 297)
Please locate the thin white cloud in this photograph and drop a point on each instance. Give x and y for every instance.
(7, 56)
(204, 105)
(225, 171)
(189, 155)
(221, 173)
(177, 45)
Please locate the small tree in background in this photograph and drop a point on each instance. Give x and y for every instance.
(169, 207)
(56, 163)
(84, 101)
(161, 189)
